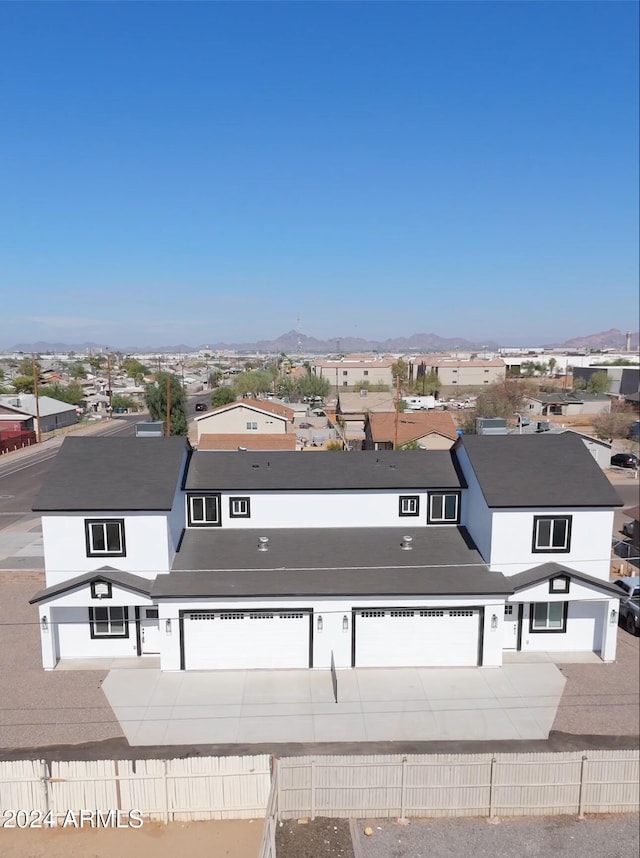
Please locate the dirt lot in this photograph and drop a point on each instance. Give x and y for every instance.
(320, 838)
(224, 839)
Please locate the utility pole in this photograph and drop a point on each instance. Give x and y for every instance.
(395, 427)
(168, 404)
(35, 390)
(110, 406)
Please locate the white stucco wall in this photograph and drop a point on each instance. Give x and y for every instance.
(512, 533)
(333, 636)
(71, 626)
(65, 551)
(234, 422)
(476, 515)
(324, 509)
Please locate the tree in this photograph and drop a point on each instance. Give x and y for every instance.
(71, 393)
(156, 401)
(500, 399)
(399, 369)
(312, 385)
(78, 371)
(135, 369)
(214, 377)
(552, 365)
(430, 383)
(25, 366)
(252, 383)
(334, 446)
(120, 401)
(222, 396)
(23, 384)
(615, 424)
(598, 383)
(96, 361)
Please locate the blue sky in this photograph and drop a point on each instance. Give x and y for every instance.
(204, 172)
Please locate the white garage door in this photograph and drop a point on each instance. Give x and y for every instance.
(237, 640)
(416, 637)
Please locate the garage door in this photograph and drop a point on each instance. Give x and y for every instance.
(416, 637)
(236, 640)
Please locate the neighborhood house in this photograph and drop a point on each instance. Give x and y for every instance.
(242, 560)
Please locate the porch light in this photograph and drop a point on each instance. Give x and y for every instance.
(613, 616)
(44, 623)
(406, 543)
(167, 627)
(345, 623)
(319, 623)
(263, 543)
(494, 622)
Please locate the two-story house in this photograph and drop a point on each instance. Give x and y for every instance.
(230, 560)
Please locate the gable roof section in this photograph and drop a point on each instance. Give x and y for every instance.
(330, 562)
(353, 403)
(255, 471)
(547, 471)
(412, 426)
(123, 579)
(113, 474)
(538, 574)
(261, 441)
(25, 403)
(263, 405)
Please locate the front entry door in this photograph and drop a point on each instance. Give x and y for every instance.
(510, 626)
(149, 631)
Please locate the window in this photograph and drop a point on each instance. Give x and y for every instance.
(552, 534)
(559, 584)
(100, 589)
(251, 424)
(548, 617)
(409, 505)
(239, 508)
(344, 371)
(444, 508)
(365, 372)
(204, 510)
(105, 537)
(108, 622)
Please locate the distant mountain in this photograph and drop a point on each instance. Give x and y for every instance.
(294, 340)
(613, 339)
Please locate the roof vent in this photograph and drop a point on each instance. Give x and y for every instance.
(406, 543)
(263, 543)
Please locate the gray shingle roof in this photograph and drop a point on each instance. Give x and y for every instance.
(537, 574)
(538, 471)
(123, 579)
(329, 562)
(245, 471)
(113, 474)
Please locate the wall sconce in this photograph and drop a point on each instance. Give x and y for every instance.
(319, 623)
(613, 616)
(44, 623)
(494, 622)
(345, 623)
(263, 543)
(167, 627)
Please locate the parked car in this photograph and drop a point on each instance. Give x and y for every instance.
(625, 460)
(629, 603)
(201, 406)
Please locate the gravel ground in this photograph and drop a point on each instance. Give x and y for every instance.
(40, 707)
(597, 837)
(602, 699)
(322, 838)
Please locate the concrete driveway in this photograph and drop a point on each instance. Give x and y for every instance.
(516, 701)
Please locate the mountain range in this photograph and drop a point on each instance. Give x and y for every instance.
(294, 341)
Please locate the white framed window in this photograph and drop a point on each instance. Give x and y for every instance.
(204, 510)
(240, 507)
(409, 505)
(251, 424)
(551, 534)
(109, 621)
(444, 508)
(105, 537)
(548, 617)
